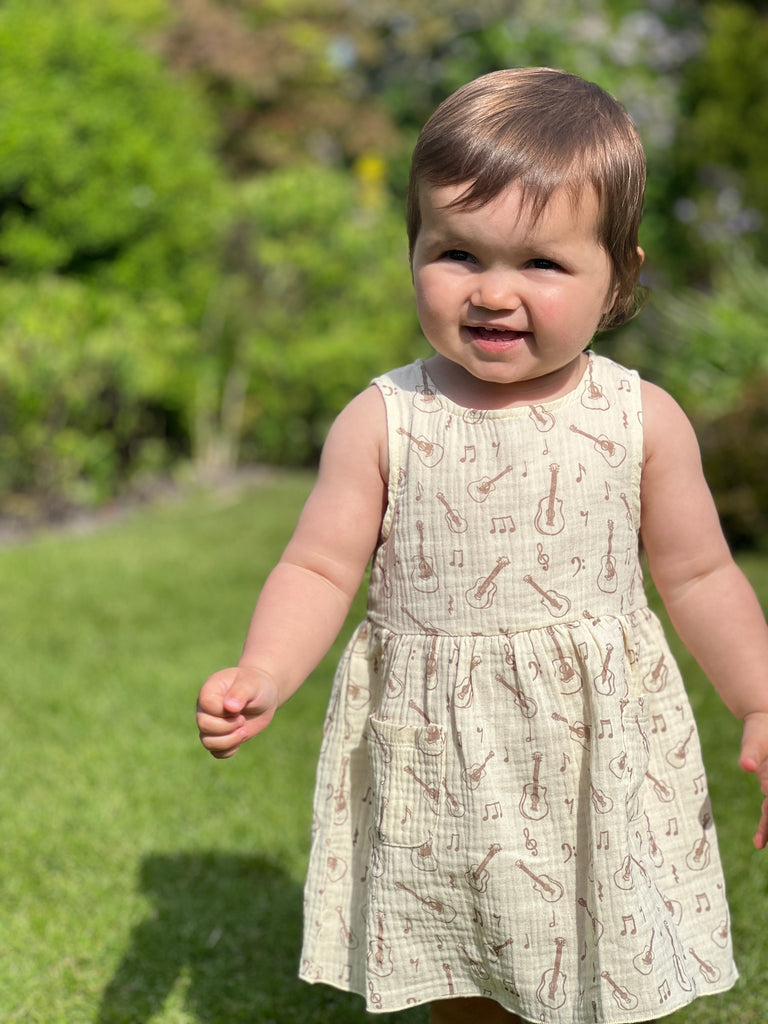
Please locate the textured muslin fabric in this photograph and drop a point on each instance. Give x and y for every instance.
(510, 798)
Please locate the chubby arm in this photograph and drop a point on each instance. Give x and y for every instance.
(709, 600)
(306, 597)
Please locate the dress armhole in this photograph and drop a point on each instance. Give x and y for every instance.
(389, 391)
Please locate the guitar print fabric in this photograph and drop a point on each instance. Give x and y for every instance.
(510, 798)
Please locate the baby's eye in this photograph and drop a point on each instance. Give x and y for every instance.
(458, 256)
(540, 263)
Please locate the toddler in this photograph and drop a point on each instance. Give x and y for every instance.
(511, 818)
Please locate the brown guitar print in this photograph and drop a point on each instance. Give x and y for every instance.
(655, 680)
(568, 675)
(426, 398)
(479, 490)
(607, 580)
(483, 593)
(551, 990)
(474, 776)
(579, 731)
(556, 604)
(663, 791)
(678, 755)
(548, 888)
(528, 706)
(613, 452)
(542, 420)
(549, 518)
(593, 396)
(423, 575)
(439, 910)
(708, 971)
(698, 857)
(456, 522)
(643, 962)
(605, 681)
(430, 453)
(463, 693)
(624, 999)
(533, 802)
(431, 791)
(478, 875)
(379, 953)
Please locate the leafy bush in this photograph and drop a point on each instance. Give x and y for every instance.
(108, 170)
(93, 389)
(708, 349)
(326, 304)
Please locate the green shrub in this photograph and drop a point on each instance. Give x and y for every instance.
(327, 304)
(108, 171)
(94, 388)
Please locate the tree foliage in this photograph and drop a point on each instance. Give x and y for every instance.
(107, 171)
(206, 195)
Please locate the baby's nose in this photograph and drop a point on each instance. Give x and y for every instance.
(497, 290)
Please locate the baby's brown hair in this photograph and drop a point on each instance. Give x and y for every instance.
(543, 130)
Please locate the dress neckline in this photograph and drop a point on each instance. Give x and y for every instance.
(513, 410)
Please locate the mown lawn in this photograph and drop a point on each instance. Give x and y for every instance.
(142, 882)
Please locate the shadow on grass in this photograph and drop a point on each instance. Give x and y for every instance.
(228, 929)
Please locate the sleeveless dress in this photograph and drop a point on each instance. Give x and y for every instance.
(510, 799)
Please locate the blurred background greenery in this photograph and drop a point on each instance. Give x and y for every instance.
(201, 222)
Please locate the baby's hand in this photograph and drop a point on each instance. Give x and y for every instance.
(234, 705)
(754, 758)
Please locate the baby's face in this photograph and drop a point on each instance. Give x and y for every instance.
(508, 298)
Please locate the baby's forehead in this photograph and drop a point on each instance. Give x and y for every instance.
(458, 201)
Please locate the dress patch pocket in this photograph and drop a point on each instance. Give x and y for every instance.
(406, 771)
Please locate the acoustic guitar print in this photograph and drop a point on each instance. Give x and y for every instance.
(430, 453)
(533, 802)
(549, 517)
(528, 706)
(624, 999)
(556, 604)
(423, 576)
(655, 680)
(698, 857)
(551, 990)
(550, 890)
(479, 490)
(607, 580)
(380, 960)
(678, 755)
(605, 681)
(479, 875)
(426, 398)
(568, 676)
(613, 452)
(456, 522)
(483, 593)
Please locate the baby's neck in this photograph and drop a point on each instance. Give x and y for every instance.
(471, 392)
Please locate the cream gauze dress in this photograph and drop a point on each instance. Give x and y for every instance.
(511, 801)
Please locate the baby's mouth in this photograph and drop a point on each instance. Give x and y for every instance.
(490, 337)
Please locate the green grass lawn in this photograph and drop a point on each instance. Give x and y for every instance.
(143, 882)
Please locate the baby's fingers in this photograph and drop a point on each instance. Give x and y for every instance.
(761, 836)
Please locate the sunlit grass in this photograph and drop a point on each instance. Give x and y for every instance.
(142, 882)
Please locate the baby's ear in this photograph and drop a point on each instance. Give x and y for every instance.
(641, 254)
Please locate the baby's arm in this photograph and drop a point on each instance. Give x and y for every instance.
(306, 598)
(710, 602)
